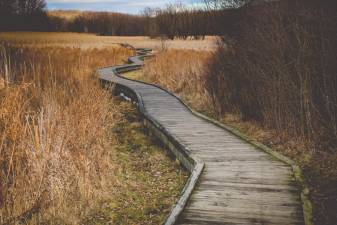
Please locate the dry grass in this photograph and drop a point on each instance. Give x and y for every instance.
(51, 39)
(209, 44)
(149, 183)
(54, 126)
(86, 41)
(65, 14)
(67, 153)
(180, 71)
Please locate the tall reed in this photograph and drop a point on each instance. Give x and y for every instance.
(182, 72)
(55, 127)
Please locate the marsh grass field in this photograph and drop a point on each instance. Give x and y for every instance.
(70, 153)
(89, 41)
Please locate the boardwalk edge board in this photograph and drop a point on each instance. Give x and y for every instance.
(191, 163)
(194, 165)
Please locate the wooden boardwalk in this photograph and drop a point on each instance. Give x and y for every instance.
(239, 184)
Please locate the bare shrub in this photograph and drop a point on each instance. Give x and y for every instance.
(279, 71)
(287, 59)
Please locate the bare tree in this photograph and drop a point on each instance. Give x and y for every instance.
(32, 6)
(224, 4)
(22, 7)
(7, 6)
(150, 26)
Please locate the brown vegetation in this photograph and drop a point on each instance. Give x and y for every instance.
(65, 14)
(67, 153)
(182, 72)
(54, 123)
(89, 41)
(23, 15)
(172, 22)
(282, 75)
(104, 23)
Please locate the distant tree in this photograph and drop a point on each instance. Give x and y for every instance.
(7, 6)
(173, 21)
(224, 4)
(29, 7)
(23, 15)
(22, 7)
(150, 25)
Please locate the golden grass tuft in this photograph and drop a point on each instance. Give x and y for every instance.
(180, 71)
(54, 128)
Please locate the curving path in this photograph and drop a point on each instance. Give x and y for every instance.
(240, 184)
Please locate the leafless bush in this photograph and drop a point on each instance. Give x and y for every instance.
(280, 71)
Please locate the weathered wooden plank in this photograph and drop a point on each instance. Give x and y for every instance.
(216, 197)
(219, 185)
(210, 218)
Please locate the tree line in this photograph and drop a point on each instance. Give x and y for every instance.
(173, 21)
(23, 15)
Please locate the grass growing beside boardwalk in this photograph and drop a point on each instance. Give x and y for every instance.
(70, 153)
(148, 181)
(180, 71)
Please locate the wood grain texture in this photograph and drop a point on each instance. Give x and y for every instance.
(240, 183)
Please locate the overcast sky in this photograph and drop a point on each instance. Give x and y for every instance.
(127, 6)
